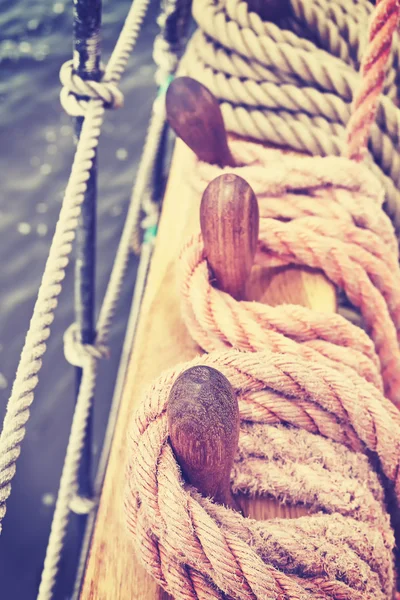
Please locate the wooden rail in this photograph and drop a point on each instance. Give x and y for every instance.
(113, 572)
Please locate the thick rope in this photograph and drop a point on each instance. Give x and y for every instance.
(277, 87)
(309, 387)
(342, 232)
(223, 547)
(311, 395)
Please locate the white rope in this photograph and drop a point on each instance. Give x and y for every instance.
(74, 86)
(87, 356)
(68, 483)
(167, 62)
(167, 59)
(43, 314)
(81, 506)
(134, 313)
(76, 352)
(292, 86)
(141, 199)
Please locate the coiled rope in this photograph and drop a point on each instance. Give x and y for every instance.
(293, 86)
(314, 417)
(348, 237)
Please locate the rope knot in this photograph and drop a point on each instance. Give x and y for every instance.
(81, 505)
(76, 353)
(76, 91)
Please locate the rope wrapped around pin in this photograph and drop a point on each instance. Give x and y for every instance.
(197, 549)
(292, 85)
(309, 388)
(76, 91)
(310, 416)
(322, 213)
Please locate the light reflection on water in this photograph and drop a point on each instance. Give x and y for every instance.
(36, 151)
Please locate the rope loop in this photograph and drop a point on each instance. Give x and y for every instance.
(314, 397)
(76, 353)
(222, 546)
(76, 91)
(81, 505)
(293, 87)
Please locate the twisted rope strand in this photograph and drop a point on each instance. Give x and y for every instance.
(149, 437)
(290, 368)
(311, 410)
(215, 324)
(68, 480)
(304, 241)
(43, 314)
(382, 28)
(269, 80)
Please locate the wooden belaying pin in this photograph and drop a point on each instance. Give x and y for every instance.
(195, 116)
(229, 222)
(203, 421)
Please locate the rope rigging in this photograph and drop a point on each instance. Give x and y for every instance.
(293, 86)
(101, 95)
(310, 386)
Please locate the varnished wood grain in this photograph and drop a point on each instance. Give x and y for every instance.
(195, 116)
(229, 222)
(292, 285)
(113, 571)
(204, 423)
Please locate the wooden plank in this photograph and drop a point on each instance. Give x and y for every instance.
(113, 571)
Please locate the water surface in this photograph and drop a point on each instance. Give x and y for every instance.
(36, 150)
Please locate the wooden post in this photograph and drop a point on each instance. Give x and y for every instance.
(229, 221)
(195, 116)
(204, 423)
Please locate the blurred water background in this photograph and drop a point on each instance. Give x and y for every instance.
(36, 150)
